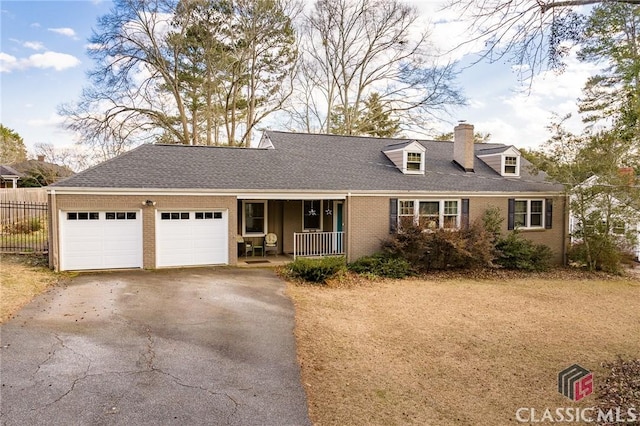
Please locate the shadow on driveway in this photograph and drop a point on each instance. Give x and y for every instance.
(194, 346)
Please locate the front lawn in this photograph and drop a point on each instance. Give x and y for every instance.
(456, 351)
(21, 279)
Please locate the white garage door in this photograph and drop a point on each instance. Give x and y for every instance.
(189, 238)
(100, 240)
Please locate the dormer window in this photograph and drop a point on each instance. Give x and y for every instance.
(408, 157)
(414, 161)
(510, 165)
(505, 160)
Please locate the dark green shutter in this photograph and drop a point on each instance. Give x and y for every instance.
(511, 215)
(464, 219)
(548, 216)
(393, 215)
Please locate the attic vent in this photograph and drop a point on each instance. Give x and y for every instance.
(265, 142)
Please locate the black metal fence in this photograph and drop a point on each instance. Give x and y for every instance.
(24, 227)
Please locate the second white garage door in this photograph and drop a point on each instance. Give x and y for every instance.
(190, 238)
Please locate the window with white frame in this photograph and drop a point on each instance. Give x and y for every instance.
(510, 165)
(406, 213)
(529, 213)
(450, 214)
(414, 161)
(312, 215)
(254, 218)
(429, 214)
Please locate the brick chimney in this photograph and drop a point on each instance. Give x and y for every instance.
(627, 174)
(463, 152)
(41, 158)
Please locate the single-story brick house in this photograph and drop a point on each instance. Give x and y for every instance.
(174, 205)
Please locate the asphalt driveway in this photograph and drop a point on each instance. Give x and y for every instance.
(185, 347)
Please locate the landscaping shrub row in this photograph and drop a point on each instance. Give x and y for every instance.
(415, 250)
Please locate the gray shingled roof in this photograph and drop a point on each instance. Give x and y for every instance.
(298, 162)
(484, 149)
(6, 170)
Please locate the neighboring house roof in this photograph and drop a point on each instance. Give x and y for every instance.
(633, 179)
(9, 171)
(299, 161)
(51, 172)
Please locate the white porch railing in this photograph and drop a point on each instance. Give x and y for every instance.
(318, 244)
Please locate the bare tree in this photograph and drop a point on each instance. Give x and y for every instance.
(178, 71)
(135, 91)
(352, 48)
(531, 33)
(70, 157)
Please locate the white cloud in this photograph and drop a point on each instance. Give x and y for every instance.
(57, 61)
(93, 46)
(50, 121)
(519, 114)
(7, 62)
(35, 25)
(69, 32)
(477, 103)
(33, 45)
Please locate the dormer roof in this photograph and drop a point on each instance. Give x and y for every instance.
(505, 160)
(408, 156)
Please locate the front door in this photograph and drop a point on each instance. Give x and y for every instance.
(338, 226)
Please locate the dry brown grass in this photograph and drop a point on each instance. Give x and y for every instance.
(456, 351)
(20, 281)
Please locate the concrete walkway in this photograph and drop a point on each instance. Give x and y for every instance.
(185, 347)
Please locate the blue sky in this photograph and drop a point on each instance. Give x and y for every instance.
(43, 64)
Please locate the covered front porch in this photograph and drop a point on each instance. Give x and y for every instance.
(302, 227)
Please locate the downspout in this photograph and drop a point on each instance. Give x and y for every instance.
(566, 237)
(53, 233)
(348, 233)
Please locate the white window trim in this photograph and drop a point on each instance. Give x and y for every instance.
(405, 156)
(503, 165)
(320, 213)
(441, 215)
(543, 214)
(244, 219)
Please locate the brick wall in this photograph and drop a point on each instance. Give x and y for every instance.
(368, 224)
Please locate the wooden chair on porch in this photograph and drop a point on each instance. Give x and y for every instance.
(270, 243)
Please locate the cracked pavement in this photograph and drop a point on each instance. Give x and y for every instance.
(194, 346)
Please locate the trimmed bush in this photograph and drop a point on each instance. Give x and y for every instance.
(620, 387)
(427, 250)
(516, 252)
(381, 265)
(316, 270)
